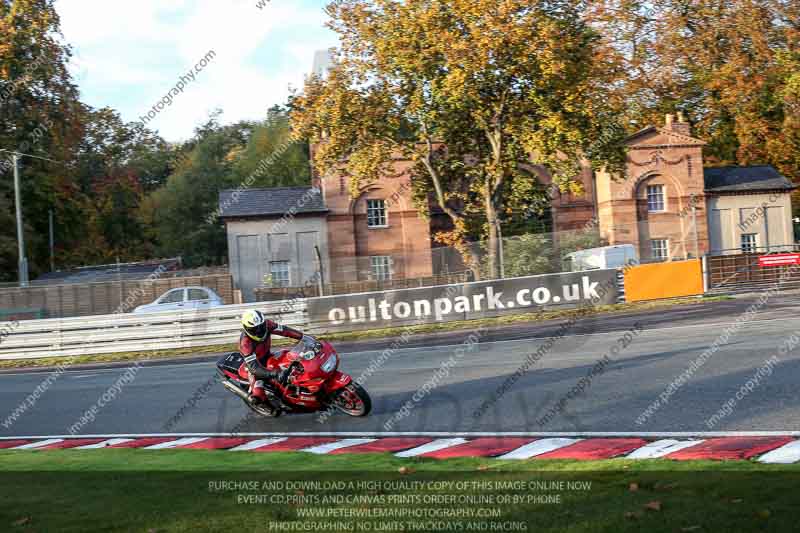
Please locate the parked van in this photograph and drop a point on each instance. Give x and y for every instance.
(616, 256)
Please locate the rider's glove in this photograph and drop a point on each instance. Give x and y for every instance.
(283, 376)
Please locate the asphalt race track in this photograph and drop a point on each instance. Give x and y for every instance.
(612, 399)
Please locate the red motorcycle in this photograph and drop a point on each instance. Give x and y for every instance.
(315, 383)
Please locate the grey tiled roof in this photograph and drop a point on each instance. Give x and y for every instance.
(99, 273)
(274, 201)
(743, 179)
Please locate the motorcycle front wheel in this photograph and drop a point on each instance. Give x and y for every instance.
(353, 400)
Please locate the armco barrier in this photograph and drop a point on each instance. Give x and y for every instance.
(63, 337)
(664, 280)
(464, 301)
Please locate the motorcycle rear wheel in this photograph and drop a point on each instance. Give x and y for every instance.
(353, 400)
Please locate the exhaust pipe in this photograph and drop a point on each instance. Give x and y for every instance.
(236, 390)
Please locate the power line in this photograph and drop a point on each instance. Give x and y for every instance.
(14, 152)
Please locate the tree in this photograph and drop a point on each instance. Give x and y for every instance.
(728, 64)
(471, 91)
(527, 255)
(118, 190)
(181, 215)
(113, 165)
(271, 140)
(177, 212)
(8, 242)
(37, 116)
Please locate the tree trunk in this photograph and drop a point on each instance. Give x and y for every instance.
(492, 187)
(468, 254)
(473, 264)
(493, 243)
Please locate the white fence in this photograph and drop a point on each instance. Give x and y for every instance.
(88, 335)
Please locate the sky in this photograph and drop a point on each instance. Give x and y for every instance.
(128, 55)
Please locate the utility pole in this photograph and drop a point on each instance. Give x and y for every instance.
(23, 260)
(321, 277)
(694, 226)
(500, 248)
(52, 244)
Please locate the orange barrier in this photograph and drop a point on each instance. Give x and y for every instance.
(664, 280)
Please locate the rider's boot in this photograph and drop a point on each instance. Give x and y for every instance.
(259, 397)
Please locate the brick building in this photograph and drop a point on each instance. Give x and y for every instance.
(666, 204)
(659, 205)
(378, 234)
(670, 206)
(274, 235)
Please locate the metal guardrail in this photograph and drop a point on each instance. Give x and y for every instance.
(90, 335)
(99, 334)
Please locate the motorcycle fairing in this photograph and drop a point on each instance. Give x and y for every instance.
(340, 380)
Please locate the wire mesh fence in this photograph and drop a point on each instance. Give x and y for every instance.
(396, 268)
(373, 268)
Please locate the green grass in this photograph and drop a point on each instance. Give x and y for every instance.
(180, 490)
(179, 353)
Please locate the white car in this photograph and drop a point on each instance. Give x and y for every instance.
(183, 299)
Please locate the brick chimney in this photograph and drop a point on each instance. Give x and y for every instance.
(681, 126)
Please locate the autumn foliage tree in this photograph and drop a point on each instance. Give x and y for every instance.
(37, 116)
(471, 91)
(731, 66)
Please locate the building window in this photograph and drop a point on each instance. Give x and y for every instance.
(279, 273)
(655, 198)
(376, 214)
(381, 267)
(660, 249)
(749, 242)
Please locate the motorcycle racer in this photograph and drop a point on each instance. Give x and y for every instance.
(254, 345)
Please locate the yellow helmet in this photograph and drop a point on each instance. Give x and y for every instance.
(255, 325)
